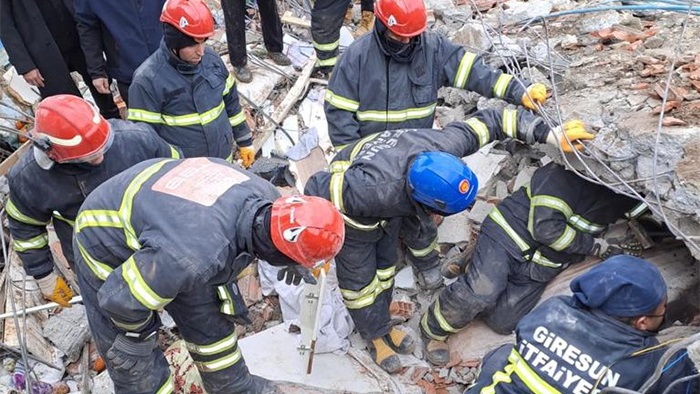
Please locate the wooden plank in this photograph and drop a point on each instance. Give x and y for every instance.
(304, 168)
(290, 19)
(295, 94)
(14, 158)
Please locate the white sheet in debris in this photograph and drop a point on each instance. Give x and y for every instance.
(272, 354)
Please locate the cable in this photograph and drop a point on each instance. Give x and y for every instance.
(21, 341)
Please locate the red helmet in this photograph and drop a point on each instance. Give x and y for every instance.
(191, 17)
(309, 230)
(405, 18)
(74, 128)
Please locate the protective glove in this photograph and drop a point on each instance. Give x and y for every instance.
(247, 154)
(605, 248)
(537, 93)
(127, 354)
(572, 129)
(55, 289)
(293, 274)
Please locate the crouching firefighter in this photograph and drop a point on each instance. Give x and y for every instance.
(602, 336)
(174, 235)
(400, 176)
(74, 150)
(527, 240)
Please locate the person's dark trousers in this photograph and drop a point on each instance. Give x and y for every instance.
(367, 5)
(124, 91)
(366, 266)
(105, 102)
(210, 336)
(326, 20)
(498, 283)
(235, 16)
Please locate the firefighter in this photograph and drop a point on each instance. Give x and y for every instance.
(185, 91)
(394, 177)
(327, 18)
(527, 240)
(604, 335)
(389, 80)
(74, 151)
(174, 235)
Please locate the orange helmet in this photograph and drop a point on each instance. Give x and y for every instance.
(405, 18)
(309, 230)
(191, 17)
(69, 129)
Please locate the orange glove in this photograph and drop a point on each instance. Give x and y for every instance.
(247, 154)
(573, 131)
(537, 93)
(55, 289)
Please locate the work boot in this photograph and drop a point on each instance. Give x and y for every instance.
(322, 72)
(243, 74)
(348, 16)
(366, 24)
(279, 58)
(401, 342)
(430, 279)
(437, 352)
(384, 355)
(260, 385)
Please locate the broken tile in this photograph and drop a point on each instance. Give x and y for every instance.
(68, 331)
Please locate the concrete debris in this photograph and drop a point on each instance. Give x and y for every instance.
(479, 211)
(68, 331)
(518, 11)
(598, 21)
(473, 36)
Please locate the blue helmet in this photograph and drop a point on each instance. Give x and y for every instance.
(442, 182)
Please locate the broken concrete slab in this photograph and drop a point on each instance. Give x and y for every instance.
(486, 165)
(480, 211)
(455, 228)
(597, 21)
(523, 11)
(404, 279)
(68, 331)
(472, 36)
(524, 177)
(277, 347)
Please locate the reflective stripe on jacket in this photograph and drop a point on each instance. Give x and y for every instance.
(370, 92)
(367, 180)
(562, 347)
(197, 110)
(38, 195)
(164, 227)
(556, 218)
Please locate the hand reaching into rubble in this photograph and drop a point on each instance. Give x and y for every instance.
(247, 154)
(573, 131)
(535, 95)
(55, 289)
(605, 248)
(293, 274)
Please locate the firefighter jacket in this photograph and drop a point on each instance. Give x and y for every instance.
(165, 227)
(554, 220)
(367, 180)
(192, 106)
(37, 195)
(563, 347)
(370, 92)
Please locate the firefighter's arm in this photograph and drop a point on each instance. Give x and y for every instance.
(463, 138)
(467, 70)
(145, 283)
(29, 236)
(237, 119)
(160, 148)
(549, 222)
(145, 103)
(342, 102)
